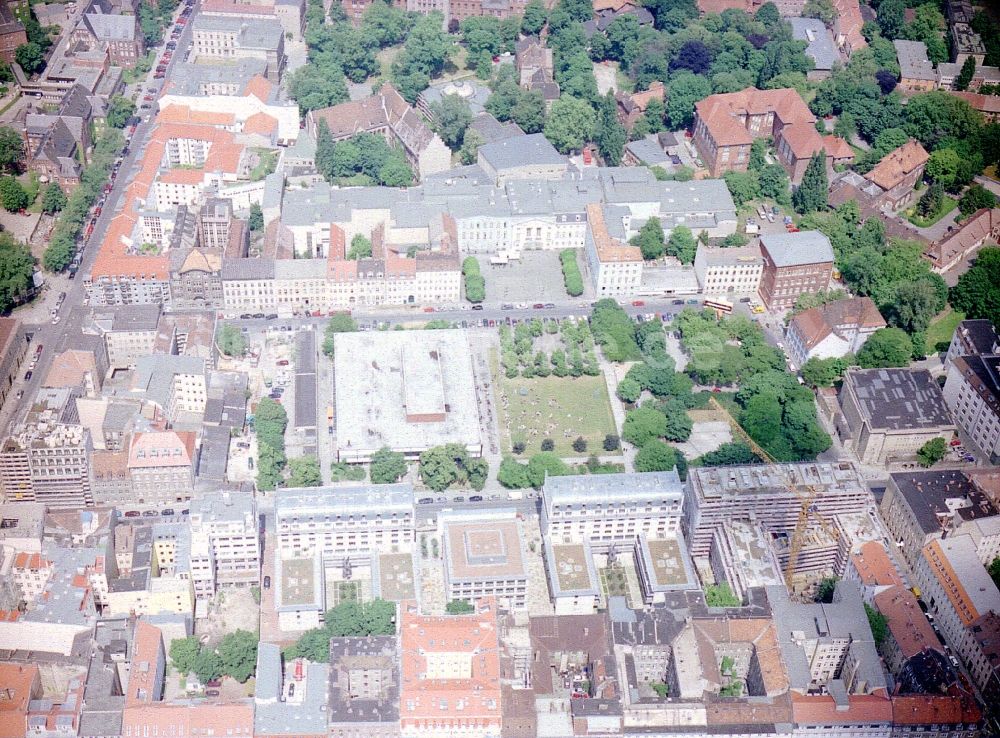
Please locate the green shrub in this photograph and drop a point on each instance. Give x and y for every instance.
(571, 273)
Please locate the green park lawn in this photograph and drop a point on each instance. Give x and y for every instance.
(940, 330)
(560, 408)
(947, 205)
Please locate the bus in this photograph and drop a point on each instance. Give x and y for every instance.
(719, 305)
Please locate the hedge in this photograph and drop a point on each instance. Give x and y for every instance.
(571, 273)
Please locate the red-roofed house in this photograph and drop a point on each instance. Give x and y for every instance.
(951, 715)
(959, 245)
(872, 568)
(31, 572)
(450, 673)
(161, 465)
(21, 683)
(909, 631)
(832, 330)
(898, 173)
(632, 106)
(148, 670)
(725, 126)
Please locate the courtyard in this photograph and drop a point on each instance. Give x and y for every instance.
(535, 277)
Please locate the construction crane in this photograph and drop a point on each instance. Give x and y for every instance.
(806, 499)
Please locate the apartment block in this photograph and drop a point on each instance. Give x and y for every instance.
(225, 542)
(342, 521)
(226, 38)
(615, 266)
(888, 414)
(965, 603)
(586, 520)
(364, 687)
(726, 125)
(972, 394)
(484, 556)
(290, 696)
(733, 271)
(46, 458)
(921, 507)
(161, 465)
(836, 680)
(386, 113)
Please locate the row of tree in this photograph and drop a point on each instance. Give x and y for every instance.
(348, 619)
(270, 422)
(62, 243)
(235, 657)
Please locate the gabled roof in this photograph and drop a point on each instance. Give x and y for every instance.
(69, 369)
(817, 323)
(723, 113)
(897, 164)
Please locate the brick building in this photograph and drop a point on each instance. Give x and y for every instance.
(795, 264)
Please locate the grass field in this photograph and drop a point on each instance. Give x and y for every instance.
(940, 330)
(947, 205)
(560, 408)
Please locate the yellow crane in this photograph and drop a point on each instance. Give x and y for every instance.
(806, 499)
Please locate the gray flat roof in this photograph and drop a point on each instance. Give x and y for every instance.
(797, 249)
(521, 151)
(820, 48)
(611, 487)
(899, 399)
(930, 494)
(326, 501)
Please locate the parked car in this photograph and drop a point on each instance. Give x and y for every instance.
(213, 683)
(425, 500)
(258, 316)
(150, 514)
(167, 512)
(267, 582)
(271, 316)
(477, 307)
(538, 306)
(476, 498)
(132, 514)
(638, 303)
(27, 376)
(211, 693)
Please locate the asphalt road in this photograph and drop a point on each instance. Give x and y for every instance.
(396, 315)
(55, 338)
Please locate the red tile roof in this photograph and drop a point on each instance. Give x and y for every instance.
(259, 87)
(928, 709)
(907, 622)
(874, 566)
(22, 683)
(450, 668)
(824, 710)
(817, 323)
(724, 114)
(969, 235)
(113, 260)
(988, 104)
(147, 653)
(897, 164)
